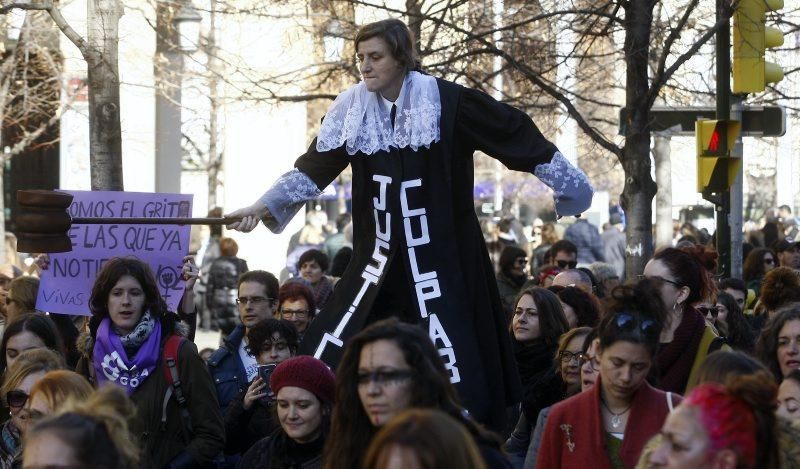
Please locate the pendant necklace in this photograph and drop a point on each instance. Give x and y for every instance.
(615, 418)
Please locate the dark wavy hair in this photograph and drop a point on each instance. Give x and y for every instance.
(586, 306)
(767, 344)
(351, 429)
(264, 330)
(754, 263)
(113, 270)
(37, 324)
(737, 330)
(642, 302)
(397, 36)
(552, 322)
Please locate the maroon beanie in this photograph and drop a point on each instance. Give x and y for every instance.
(307, 373)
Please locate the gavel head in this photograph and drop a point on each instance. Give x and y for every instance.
(43, 221)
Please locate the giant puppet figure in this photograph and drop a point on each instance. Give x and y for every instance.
(418, 250)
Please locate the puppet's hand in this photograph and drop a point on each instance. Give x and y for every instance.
(572, 191)
(250, 216)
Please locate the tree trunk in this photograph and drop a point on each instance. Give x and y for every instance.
(105, 135)
(214, 156)
(637, 195)
(661, 157)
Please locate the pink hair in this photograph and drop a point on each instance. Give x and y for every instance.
(727, 420)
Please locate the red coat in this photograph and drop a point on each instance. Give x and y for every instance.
(575, 437)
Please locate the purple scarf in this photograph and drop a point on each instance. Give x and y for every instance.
(111, 363)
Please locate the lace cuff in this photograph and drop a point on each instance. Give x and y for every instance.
(572, 191)
(286, 197)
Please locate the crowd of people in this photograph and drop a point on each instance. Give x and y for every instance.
(674, 369)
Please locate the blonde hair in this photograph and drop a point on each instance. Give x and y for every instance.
(95, 428)
(27, 363)
(59, 386)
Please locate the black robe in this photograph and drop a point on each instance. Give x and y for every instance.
(418, 249)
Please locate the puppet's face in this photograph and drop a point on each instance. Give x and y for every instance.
(380, 70)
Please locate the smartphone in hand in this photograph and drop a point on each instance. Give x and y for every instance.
(264, 372)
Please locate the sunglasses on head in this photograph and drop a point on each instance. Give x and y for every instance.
(567, 264)
(16, 398)
(627, 322)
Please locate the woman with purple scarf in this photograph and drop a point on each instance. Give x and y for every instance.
(129, 328)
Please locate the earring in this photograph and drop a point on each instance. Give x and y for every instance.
(675, 306)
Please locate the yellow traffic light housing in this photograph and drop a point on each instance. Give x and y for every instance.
(751, 38)
(716, 170)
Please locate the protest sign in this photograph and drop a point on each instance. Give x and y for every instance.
(67, 282)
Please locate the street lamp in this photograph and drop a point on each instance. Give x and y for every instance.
(187, 22)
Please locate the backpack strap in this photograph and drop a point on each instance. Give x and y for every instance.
(171, 372)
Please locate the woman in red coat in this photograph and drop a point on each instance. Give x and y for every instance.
(607, 425)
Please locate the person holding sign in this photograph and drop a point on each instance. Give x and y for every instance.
(419, 253)
(129, 329)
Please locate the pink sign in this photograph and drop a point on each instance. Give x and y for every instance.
(67, 283)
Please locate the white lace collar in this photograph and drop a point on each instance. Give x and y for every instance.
(359, 118)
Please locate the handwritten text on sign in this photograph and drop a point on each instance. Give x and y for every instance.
(67, 283)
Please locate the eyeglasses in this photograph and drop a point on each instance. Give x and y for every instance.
(592, 361)
(16, 398)
(705, 310)
(769, 261)
(384, 378)
(567, 264)
(660, 279)
(251, 299)
(567, 356)
(297, 313)
(627, 322)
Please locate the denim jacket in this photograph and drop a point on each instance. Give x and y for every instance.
(227, 370)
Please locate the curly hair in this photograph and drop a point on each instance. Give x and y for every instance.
(263, 331)
(767, 344)
(351, 429)
(781, 285)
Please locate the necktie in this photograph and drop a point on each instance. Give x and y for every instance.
(393, 113)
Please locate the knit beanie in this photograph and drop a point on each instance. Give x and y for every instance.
(307, 373)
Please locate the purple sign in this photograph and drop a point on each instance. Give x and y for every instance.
(67, 283)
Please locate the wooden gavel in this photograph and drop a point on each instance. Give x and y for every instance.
(43, 221)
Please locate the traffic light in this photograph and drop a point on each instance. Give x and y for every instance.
(751, 38)
(716, 170)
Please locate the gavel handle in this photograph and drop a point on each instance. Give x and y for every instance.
(154, 221)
